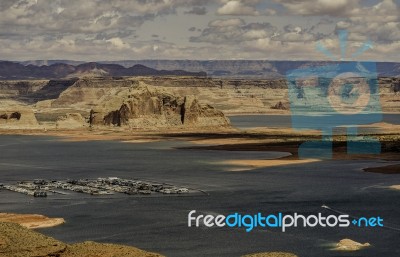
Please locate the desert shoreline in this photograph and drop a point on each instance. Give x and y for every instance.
(31, 221)
(231, 139)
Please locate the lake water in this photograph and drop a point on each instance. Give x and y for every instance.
(252, 121)
(160, 223)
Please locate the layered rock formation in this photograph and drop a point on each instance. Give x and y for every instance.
(150, 102)
(121, 102)
(281, 106)
(229, 95)
(71, 121)
(15, 117)
(144, 106)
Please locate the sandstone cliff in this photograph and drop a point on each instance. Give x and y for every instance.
(144, 106)
(71, 121)
(228, 95)
(17, 117)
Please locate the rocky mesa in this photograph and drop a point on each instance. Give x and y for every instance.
(145, 106)
(134, 104)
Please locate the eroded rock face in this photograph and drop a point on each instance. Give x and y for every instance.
(17, 117)
(396, 88)
(10, 116)
(281, 106)
(71, 121)
(146, 107)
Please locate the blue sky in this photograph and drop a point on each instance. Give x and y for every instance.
(94, 30)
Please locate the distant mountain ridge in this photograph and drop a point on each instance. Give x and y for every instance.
(14, 70)
(224, 68)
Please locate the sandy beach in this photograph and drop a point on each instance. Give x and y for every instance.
(246, 165)
(231, 139)
(31, 221)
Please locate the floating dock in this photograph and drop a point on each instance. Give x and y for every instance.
(99, 186)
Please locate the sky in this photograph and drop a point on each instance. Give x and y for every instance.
(108, 30)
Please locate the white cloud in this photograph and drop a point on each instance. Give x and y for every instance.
(118, 42)
(233, 31)
(102, 29)
(226, 23)
(269, 11)
(254, 34)
(320, 7)
(379, 23)
(239, 7)
(236, 31)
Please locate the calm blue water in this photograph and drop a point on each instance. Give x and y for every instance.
(160, 223)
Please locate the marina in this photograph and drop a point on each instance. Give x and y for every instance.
(99, 186)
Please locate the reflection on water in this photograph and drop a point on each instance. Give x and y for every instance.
(159, 223)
